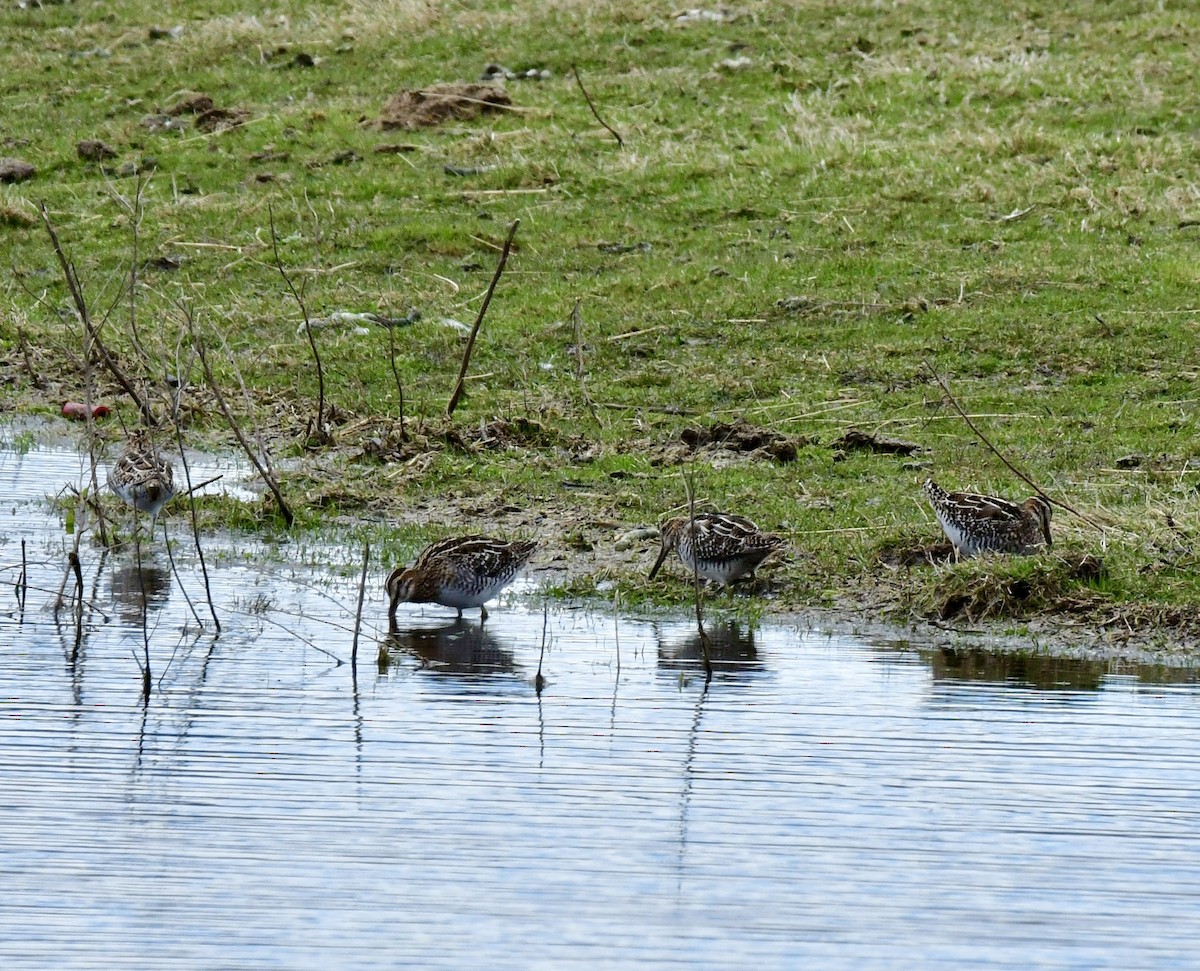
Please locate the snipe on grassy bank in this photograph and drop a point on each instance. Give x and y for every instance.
(717, 546)
(466, 571)
(977, 524)
(141, 476)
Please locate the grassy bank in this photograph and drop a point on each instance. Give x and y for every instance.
(814, 209)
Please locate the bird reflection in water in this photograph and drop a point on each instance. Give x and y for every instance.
(131, 585)
(1041, 672)
(731, 651)
(460, 648)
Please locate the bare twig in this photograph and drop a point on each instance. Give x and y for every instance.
(396, 374)
(251, 454)
(308, 331)
(193, 489)
(588, 98)
(577, 325)
(487, 299)
(134, 208)
(36, 379)
(81, 308)
(995, 451)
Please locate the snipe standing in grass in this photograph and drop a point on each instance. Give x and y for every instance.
(976, 524)
(463, 572)
(718, 546)
(141, 476)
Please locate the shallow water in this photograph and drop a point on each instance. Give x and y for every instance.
(825, 802)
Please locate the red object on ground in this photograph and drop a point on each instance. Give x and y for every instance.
(78, 410)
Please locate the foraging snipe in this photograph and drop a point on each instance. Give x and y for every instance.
(464, 572)
(976, 524)
(141, 476)
(717, 546)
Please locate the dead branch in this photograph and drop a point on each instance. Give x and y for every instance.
(76, 290)
(251, 454)
(308, 330)
(487, 299)
(995, 451)
(577, 325)
(588, 98)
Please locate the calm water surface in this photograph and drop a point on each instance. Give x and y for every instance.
(825, 803)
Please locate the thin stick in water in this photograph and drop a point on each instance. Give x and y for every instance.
(362, 589)
(539, 682)
(191, 496)
(77, 569)
(690, 486)
(175, 573)
(22, 581)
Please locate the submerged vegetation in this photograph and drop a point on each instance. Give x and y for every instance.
(752, 238)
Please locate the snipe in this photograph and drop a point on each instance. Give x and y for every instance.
(718, 546)
(463, 572)
(976, 524)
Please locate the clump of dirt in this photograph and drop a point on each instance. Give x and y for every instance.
(854, 439)
(209, 116)
(16, 170)
(221, 118)
(1060, 585)
(95, 150)
(11, 216)
(737, 438)
(426, 107)
(191, 103)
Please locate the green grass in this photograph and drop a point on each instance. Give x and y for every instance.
(1010, 195)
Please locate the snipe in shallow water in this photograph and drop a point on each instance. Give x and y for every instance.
(463, 572)
(141, 476)
(976, 524)
(718, 546)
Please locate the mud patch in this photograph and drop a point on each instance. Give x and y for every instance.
(908, 553)
(427, 107)
(503, 433)
(389, 443)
